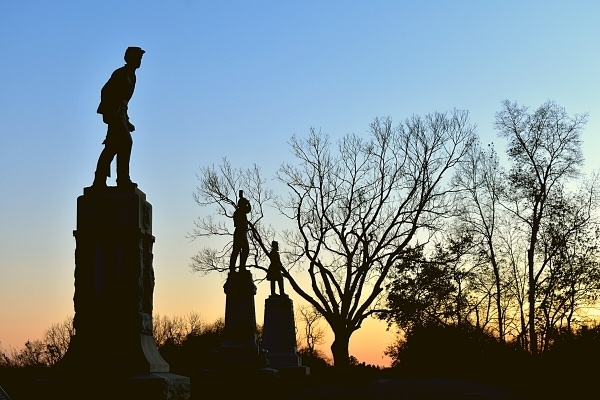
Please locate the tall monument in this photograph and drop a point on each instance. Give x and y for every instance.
(240, 352)
(113, 353)
(114, 283)
(240, 348)
(279, 329)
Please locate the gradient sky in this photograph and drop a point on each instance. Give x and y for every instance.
(237, 79)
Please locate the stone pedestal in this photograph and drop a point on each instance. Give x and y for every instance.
(242, 369)
(241, 359)
(239, 346)
(114, 284)
(279, 336)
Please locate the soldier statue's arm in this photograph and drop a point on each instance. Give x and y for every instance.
(114, 96)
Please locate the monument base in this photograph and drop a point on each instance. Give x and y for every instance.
(279, 337)
(152, 386)
(113, 354)
(239, 346)
(134, 353)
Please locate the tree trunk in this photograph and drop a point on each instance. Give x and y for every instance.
(535, 227)
(496, 269)
(339, 348)
(532, 289)
(523, 333)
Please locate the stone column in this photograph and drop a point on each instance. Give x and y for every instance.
(113, 348)
(114, 282)
(242, 370)
(239, 346)
(279, 336)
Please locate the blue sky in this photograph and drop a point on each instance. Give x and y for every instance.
(237, 79)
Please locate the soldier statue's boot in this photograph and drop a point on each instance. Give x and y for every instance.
(126, 183)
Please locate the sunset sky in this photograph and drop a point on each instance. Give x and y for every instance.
(237, 79)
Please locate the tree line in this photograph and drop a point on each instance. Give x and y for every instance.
(430, 350)
(519, 258)
(178, 338)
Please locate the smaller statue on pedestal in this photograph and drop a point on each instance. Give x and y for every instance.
(274, 271)
(240, 234)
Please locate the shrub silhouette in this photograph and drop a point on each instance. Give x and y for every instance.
(458, 352)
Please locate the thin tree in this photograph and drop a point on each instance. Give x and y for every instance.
(513, 251)
(569, 239)
(544, 148)
(57, 339)
(481, 179)
(313, 334)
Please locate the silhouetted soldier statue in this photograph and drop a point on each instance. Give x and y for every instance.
(114, 98)
(274, 271)
(240, 237)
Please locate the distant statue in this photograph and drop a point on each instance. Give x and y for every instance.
(274, 271)
(114, 98)
(240, 236)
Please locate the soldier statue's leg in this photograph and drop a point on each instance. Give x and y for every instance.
(124, 154)
(280, 282)
(244, 251)
(234, 253)
(106, 157)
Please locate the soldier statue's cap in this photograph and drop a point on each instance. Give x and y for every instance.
(131, 51)
(135, 49)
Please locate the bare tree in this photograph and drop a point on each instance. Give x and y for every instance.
(313, 334)
(545, 150)
(57, 339)
(219, 187)
(174, 330)
(195, 323)
(513, 249)
(33, 353)
(5, 360)
(355, 210)
(481, 179)
(569, 240)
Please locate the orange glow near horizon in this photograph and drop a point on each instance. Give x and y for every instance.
(175, 296)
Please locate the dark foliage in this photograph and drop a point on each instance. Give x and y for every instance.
(16, 380)
(566, 370)
(198, 351)
(571, 362)
(453, 351)
(460, 352)
(314, 360)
